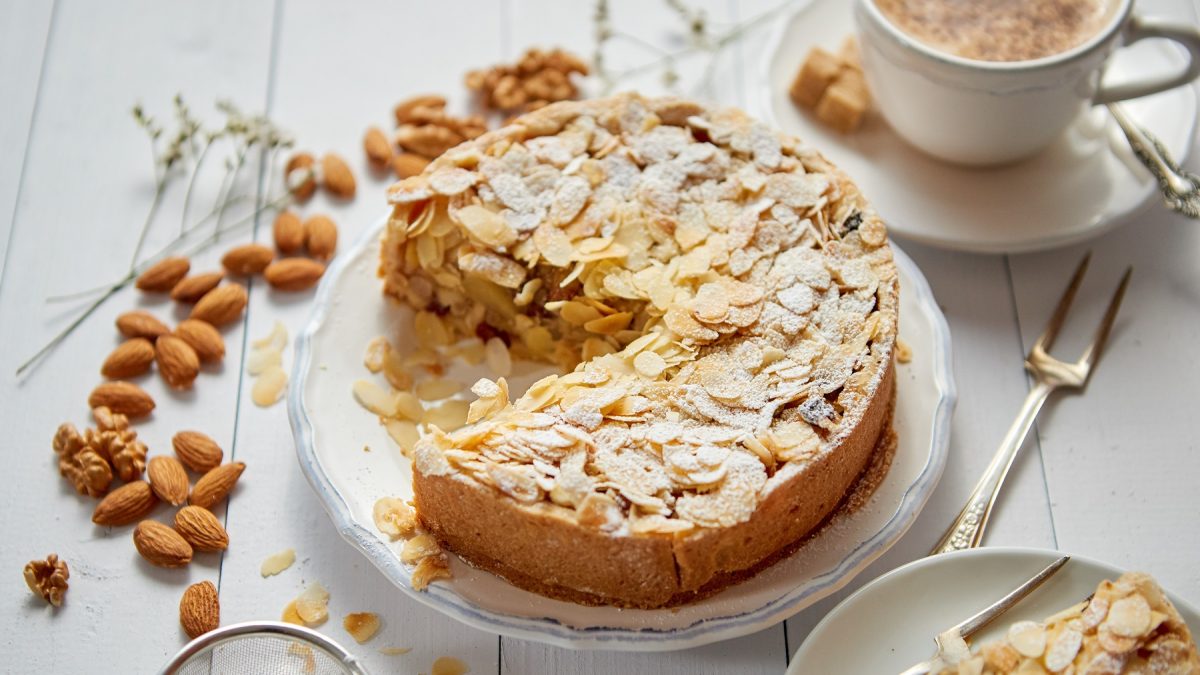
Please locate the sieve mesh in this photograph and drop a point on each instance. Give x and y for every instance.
(263, 648)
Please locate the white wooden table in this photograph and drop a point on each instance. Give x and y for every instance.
(1110, 474)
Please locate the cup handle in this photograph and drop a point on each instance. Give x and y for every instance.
(1140, 28)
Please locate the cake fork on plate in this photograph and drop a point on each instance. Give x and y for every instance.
(1049, 373)
(951, 643)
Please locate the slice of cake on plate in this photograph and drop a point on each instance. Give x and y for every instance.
(1127, 627)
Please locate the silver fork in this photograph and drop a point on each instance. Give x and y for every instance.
(1049, 374)
(951, 642)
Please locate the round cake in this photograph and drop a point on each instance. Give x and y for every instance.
(721, 303)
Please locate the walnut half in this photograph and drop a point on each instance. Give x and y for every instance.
(48, 578)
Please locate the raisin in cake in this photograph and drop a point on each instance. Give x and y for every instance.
(722, 304)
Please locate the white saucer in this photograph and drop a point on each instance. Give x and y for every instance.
(1088, 182)
(331, 431)
(889, 624)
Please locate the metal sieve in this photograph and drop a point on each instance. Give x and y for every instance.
(266, 648)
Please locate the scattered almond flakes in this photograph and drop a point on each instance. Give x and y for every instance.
(278, 562)
(904, 352)
(290, 615)
(362, 626)
(372, 397)
(312, 606)
(265, 362)
(269, 387)
(497, 357)
(394, 517)
(438, 389)
(419, 547)
(448, 665)
(404, 433)
(429, 570)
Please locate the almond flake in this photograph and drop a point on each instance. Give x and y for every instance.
(649, 364)
(269, 386)
(372, 397)
(394, 517)
(438, 389)
(420, 546)
(312, 606)
(1028, 638)
(497, 357)
(277, 562)
(404, 433)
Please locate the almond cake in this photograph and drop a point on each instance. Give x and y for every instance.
(1126, 627)
(722, 304)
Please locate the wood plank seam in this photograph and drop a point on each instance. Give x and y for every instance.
(1037, 437)
(33, 115)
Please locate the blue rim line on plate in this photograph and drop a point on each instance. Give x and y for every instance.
(549, 630)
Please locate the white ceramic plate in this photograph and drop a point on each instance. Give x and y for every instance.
(1086, 183)
(889, 624)
(331, 431)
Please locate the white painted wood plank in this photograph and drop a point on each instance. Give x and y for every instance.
(24, 26)
(339, 69)
(87, 185)
(1121, 459)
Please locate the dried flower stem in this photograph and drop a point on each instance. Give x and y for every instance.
(699, 37)
(247, 132)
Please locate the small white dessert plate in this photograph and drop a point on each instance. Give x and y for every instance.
(332, 431)
(889, 624)
(1086, 183)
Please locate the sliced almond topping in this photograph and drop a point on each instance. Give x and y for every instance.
(1028, 638)
(1129, 617)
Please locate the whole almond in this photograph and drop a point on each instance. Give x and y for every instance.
(160, 545)
(294, 274)
(196, 286)
(163, 275)
(129, 359)
(125, 505)
(201, 529)
(288, 232)
(168, 479)
(197, 451)
(221, 305)
(199, 609)
(378, 149)
(298, 177)
(407, 165)
(140, 323)
(203, 338)
(320, 234)
(336, 177)
(216, 485)
(410, 110)
(247, 259)
(177, 361)
(125, 398)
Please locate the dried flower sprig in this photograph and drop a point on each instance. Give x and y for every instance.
(183, 155)
(699, 36)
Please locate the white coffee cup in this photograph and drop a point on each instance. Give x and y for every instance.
(992, 112)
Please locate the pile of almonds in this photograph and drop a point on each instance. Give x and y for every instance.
(424, 130)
